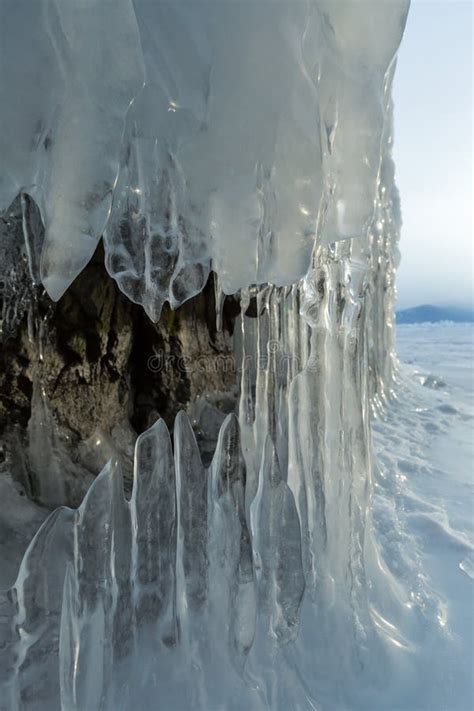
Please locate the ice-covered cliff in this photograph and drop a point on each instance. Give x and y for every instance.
(253, 139)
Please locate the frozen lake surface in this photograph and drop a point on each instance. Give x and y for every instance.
(423, 504)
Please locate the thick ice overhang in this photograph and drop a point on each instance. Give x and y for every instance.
(194, 135)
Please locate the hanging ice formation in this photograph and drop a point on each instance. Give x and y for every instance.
(252, 138)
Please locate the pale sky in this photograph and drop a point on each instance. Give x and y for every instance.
(433, 95)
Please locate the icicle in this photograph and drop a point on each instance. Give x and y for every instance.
(97, 617)
(30, 615)
(33, 233)
(276, 531)
(233, 594)
(153, 511)
(44, 450)
(219, 297)
(191, 522)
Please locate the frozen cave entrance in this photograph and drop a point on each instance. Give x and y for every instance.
(199, 244)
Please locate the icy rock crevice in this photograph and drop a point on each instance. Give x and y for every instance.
(80, 378)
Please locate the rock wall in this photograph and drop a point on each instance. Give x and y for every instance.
(97, 361)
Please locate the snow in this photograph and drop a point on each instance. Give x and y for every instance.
(424, 503)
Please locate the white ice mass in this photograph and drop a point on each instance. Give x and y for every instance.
(194, 134)
(253, 139)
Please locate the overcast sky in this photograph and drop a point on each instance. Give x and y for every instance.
(433, 153)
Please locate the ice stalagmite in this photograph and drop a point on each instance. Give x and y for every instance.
(30, 618)
(252, 139)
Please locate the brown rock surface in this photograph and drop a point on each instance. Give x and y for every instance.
(96, 358)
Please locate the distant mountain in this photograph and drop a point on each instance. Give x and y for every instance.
(430, 313)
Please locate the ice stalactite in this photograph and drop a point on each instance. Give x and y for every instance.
(236, 146)
(61, 111)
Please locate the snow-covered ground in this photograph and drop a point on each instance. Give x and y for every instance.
(424, 506)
